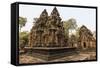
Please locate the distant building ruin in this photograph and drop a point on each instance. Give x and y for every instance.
(86, 39)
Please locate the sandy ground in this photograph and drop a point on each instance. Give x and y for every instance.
(24, 58)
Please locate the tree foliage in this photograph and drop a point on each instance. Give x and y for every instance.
(22, 22)
(23, 39)
(70, 25)
(77, 32)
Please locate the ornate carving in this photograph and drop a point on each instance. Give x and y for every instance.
(86, 39)
(48, 31)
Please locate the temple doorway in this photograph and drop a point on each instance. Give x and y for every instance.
(84, 44)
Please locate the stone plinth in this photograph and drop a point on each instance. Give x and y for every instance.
(50, 53)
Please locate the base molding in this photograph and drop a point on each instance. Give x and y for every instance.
(50, 53)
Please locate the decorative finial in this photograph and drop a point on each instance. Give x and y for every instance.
(44, 13)
(55, 12)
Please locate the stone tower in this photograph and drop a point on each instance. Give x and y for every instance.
(48, 31)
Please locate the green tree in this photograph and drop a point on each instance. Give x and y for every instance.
(77, 32)
(23, 39)
(22, 22)
(69, 25)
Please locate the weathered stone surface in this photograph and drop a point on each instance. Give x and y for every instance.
(50, 53)
(86, 39)
(48, 31)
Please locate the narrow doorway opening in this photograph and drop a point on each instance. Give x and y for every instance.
(84, 44)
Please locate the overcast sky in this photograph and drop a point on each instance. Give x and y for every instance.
(83, 16)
